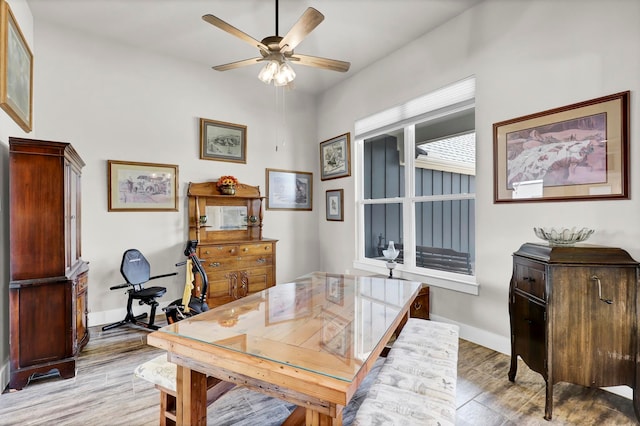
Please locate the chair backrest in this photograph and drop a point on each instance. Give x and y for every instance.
(135, 267)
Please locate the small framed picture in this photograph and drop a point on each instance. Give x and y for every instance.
(335, 206)
(335, 158)
(142, 186)
(220, 141)
(289, 190)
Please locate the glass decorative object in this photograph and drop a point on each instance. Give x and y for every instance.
(390, 254)
(563, 237)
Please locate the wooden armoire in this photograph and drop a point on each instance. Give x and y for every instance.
(48, 278)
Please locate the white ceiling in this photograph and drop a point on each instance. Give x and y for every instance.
(357, 31)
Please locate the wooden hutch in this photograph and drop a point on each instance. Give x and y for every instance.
(48, 278)
(228, 228)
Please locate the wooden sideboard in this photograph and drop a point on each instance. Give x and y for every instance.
(48, 278)
(228, 228)
(574, 316)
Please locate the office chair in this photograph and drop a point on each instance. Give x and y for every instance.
(136, 270)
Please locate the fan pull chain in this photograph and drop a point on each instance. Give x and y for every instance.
(281, 122)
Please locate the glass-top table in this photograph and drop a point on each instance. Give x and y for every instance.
(310, 341)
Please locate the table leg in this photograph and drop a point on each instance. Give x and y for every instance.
(315, 418)
(191, 387)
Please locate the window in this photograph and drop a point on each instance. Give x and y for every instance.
(417, 188)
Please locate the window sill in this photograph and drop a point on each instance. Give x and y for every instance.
(450, 281)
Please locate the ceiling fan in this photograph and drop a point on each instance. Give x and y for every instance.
(277, 51)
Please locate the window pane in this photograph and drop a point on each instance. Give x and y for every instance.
(445, 235)
(446, 166)
(383, 171)
(383, 223)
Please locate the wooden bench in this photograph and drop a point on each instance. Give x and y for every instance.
(162, 374)
(416, 386)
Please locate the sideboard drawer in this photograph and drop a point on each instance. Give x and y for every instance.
(530, 278)
(218, 251)
(255, 249)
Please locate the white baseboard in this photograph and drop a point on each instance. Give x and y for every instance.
(503, 345)
(4, 375)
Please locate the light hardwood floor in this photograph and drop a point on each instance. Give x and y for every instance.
(104, 392)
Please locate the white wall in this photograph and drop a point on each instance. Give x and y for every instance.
(116, 103)
(8, 127)
(527, 57)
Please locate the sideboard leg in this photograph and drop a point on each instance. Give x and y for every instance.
(548, 405)
(514, 367)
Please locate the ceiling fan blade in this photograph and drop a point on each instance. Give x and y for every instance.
(310, 19)
(315, 61)
(238, 64)
(217, 22)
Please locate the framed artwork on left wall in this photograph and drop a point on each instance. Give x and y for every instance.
(16, 70)
(142, 186)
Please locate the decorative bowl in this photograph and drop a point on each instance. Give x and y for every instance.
(563, 236)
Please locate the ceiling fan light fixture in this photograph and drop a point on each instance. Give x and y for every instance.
(285, 75)
(269, 71)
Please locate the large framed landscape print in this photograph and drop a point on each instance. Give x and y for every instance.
(575, 152)
(16, 70)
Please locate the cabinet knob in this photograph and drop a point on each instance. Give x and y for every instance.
(245, 249)
(530, 279)
(261, 260)
(214, 264)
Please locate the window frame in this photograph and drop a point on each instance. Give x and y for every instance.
(407, 270)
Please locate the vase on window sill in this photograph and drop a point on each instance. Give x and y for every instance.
(228, 189)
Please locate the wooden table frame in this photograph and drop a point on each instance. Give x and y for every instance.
(321, 397)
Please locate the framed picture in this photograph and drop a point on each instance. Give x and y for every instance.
(334, 289)
(142, 186)
(220, 141)
(576, 152)
(16, 70)
(335, 207)
(335, 158)
(289, 190)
